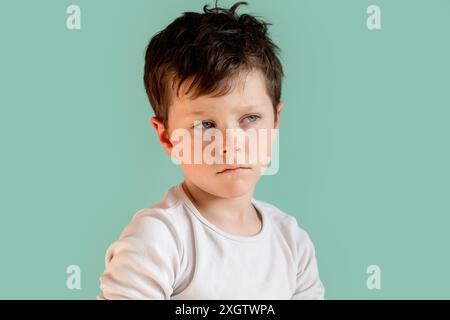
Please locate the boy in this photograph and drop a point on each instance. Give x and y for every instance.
(208, 238)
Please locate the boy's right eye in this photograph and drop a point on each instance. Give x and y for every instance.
(204, 125)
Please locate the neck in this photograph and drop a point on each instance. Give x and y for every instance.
(237, 209)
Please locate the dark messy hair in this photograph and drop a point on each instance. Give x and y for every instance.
(209, 49)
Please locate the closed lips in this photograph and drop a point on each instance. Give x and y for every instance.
(233, 168)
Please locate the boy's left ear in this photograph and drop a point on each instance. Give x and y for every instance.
(279, 108)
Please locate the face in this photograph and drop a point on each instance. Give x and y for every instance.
(229, 136)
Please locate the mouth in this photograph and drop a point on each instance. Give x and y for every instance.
(230, 169)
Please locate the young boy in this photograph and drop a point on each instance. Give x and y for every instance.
(208, 238)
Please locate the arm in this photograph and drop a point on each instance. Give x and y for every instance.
(143, 263)
(308, 284)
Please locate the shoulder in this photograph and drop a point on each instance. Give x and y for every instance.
(157, 226)
(164, 220)
(148, 259)
(161, 227)
(288, 230)
(286, 225)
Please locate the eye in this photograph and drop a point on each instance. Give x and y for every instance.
(204, 125)
(251, 118)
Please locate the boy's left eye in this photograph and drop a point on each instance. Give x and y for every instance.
(251, 118)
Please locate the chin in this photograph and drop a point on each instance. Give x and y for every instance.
(233, 189)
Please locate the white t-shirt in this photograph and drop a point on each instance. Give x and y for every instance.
(171, 251)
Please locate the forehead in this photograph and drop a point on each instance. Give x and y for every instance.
(247, 92)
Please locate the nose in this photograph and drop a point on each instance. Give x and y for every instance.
(230, 144)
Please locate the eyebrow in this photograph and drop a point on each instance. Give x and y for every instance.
(237, 109)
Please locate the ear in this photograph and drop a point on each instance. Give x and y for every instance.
(162, 133)
(279, 108)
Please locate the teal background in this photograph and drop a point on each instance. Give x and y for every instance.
(363, 141)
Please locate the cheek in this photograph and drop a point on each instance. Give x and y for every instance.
(196, 171)
(262, 149)
(188, 148)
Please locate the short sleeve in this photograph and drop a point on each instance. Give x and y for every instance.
(308, 284)
(144, 262)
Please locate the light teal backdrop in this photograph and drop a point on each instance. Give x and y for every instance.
(364, 139)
